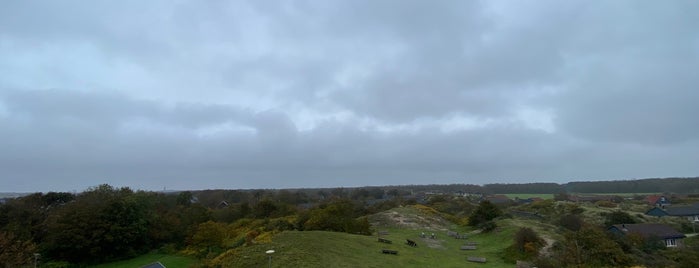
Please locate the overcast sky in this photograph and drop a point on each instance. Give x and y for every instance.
(277, 94)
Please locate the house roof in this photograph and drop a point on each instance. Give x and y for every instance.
(156, 264)
(649, 230)
(656, 211)
(657, 199)
(683, 211)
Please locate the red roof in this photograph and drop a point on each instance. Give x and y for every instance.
(652, 199)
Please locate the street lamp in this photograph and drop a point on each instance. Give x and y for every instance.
(269, 253)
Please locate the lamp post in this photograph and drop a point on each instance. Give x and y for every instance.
(36, 258)
(269, 253)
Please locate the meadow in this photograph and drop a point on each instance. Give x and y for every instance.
(170, 261)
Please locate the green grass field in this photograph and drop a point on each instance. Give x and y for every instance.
(331, 249)
(170, 261)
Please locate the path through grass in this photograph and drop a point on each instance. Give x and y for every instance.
(170, 261)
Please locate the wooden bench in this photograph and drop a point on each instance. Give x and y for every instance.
(411, 243)
(468, 247)
(389, 251)
(476, 259)
(383, 233)
(463, 236)
(383, 240)
(471, 243)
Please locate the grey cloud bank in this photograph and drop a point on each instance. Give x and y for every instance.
(195, 95)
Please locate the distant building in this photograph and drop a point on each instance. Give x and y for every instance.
(658, 200)
(528, 200)
(670, 236)
(689, 212)
(223, 204)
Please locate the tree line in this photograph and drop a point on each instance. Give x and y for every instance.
(106, 223)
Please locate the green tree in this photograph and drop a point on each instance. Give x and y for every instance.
(485, 212)
(526, 245)
(618, 217)
(571, 222)
(209, 235)
(591, 247)
(340, 215)
(15, 252)
(102, 224)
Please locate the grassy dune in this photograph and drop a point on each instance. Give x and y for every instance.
(329, 249)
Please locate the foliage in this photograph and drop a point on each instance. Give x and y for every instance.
(340, 215)
(562, 196)
(571, 222)
(675, 185)
(618, 217)
(209, 235)
(605, 204)
(485, 212)
(523, 188)
(450, 205)
(103, 223)
(15, 252)
(526, 245)
(589, 247)
(488, 226)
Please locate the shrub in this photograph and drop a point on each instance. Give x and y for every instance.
(605, 204)
(488, 226)
(571, 222)
(485, 212)
(618, 217)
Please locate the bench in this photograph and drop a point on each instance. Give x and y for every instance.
(471, 243)
(468, 247)
(411, 243)
(383, 240)
(389, 251)
(476, 259)
(463, 236)
(383, 233)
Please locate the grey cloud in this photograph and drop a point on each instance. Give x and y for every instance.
(220, 94)
(638, 86)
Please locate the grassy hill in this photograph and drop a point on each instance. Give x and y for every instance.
(170, 261)
(331, 249)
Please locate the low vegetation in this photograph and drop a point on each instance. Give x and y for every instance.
(118, 227)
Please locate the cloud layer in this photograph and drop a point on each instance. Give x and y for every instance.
(192, 95)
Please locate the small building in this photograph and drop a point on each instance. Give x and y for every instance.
(530, 200)
(691, 213)
(657, 212)
(669, 235)
(658, 201)
(222, 204)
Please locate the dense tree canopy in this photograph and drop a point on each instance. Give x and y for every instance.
(485, 212)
